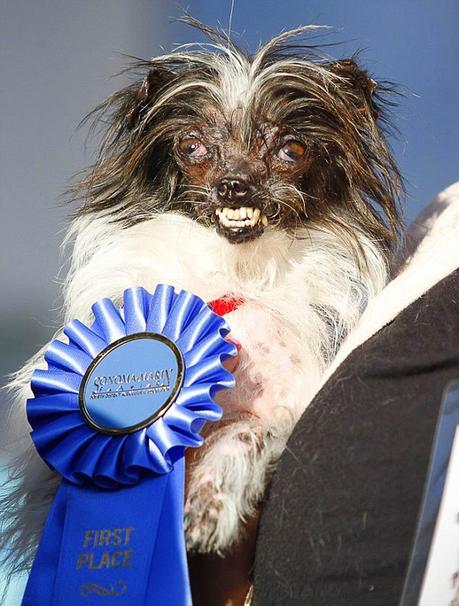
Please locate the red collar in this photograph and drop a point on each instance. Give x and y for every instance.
(225, 305)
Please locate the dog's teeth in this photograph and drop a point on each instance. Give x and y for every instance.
(245, 216)
(224, 219)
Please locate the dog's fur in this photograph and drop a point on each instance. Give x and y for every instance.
(149, 216)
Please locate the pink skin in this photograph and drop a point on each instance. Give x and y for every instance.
(270, 369)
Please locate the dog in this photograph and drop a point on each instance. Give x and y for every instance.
(264, 179)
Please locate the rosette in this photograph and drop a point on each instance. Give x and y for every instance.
(113, 414)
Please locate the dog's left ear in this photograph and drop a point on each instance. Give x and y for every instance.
(157, 78)
(363, 86)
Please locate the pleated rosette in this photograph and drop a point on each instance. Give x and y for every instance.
(76, 449)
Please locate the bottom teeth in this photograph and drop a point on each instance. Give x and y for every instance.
(241, 217)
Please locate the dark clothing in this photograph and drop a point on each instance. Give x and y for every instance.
(339, 522)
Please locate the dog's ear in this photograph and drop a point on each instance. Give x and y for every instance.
(361, 84)
(157, 78)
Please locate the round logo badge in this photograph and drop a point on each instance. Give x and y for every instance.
(131, 383)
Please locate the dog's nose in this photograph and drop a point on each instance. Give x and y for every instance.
(232, 188)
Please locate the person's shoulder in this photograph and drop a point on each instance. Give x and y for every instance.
(438, 218)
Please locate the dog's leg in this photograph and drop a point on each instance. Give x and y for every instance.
(226, 483)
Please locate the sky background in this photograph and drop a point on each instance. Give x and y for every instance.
(57, 59)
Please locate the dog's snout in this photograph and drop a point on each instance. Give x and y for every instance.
(233, 189)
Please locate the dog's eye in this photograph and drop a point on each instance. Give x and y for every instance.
(291, 151)
(192, 147)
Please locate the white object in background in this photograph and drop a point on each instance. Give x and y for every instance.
(441, 581)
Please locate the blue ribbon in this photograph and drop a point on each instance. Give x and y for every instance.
(114, 534)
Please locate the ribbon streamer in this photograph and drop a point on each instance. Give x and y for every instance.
(114, 534)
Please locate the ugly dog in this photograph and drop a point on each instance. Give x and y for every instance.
(265, 179)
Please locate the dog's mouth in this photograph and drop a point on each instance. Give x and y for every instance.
(240, 224)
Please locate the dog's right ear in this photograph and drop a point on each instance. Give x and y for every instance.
(362, 85)
(154, 81)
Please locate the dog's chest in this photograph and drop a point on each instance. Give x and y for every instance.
(276, 370)
(280, 361)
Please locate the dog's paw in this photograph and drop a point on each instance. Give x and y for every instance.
(212, 523)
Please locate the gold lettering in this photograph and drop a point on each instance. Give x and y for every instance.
(127, 562)
(117, 559)
(83, 559)
(104, 537)
(90, 536)
(121, 559)
(128, 532)
(116, 533)
(104, 561)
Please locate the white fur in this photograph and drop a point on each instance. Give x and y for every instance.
(301, 296)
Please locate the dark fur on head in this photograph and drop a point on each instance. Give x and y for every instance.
(286, 130)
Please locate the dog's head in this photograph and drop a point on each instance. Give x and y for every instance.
(278, 140)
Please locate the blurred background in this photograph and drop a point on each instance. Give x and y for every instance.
(57, 59)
